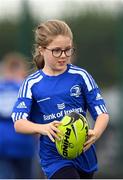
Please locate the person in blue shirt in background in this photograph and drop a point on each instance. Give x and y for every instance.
(55, 89)
(17, 151)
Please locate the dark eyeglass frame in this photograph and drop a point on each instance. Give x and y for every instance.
(62, 50)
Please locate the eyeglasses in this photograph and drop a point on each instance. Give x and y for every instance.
(57, 52)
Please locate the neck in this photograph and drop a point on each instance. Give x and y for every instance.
(53, 72)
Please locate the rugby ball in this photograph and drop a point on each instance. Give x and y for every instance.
(74, 128)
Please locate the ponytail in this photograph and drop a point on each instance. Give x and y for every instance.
(38, 59)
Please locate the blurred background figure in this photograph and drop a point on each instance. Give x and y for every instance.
(17, 151)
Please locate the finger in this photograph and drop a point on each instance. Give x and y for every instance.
(56, 129)
(50, 136)
(90, 141)
(86, 147)
(57, 121)
(57, 124)
(55, 135)
(87, 142)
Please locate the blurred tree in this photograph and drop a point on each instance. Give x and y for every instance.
(95, 37)
(18, 35)
(25, 30)
(120, 75)
(8, 37)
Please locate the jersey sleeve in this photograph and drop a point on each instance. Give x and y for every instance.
(22, 107)
(94, 100)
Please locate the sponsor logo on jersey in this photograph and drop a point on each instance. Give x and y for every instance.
(61, 113)
(21, 105)
(75, 91)
(98, 97)
(61, 106)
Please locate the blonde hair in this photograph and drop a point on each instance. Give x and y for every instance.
(44, 35)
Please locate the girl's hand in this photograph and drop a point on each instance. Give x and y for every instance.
(99, 127)
(92, 137)
(51, 130)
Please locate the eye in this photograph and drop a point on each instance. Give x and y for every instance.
(68, 50)
(57, 50)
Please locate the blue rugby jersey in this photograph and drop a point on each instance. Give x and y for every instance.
(43, 99)
(12, 144)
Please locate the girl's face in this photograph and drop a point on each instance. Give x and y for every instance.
(57, 55)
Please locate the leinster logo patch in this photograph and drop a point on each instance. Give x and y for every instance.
(75, 91)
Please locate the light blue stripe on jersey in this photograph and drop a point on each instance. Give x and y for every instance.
(13, 116)
(85, 77)
(17, 116)
(22, 87)
(100, 109)
(20, 90)
(31, 82)
(92, 82)
(91, 79)
(28, 83)
(35, 75)
(103, 108)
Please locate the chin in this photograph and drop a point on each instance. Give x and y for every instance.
(62, 67)
(59, 69)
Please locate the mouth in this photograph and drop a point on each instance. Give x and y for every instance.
(61, 62)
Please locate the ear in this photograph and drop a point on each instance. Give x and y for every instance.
(40, 49)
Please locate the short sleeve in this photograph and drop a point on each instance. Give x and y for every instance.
(22, 107)
(95, 102)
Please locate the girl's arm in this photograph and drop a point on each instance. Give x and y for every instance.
(95, 133)
(27, 127)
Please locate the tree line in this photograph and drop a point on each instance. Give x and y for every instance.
(95, 40)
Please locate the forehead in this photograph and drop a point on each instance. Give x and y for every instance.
(61, 41)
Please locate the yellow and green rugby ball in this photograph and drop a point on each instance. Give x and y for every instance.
(75, 129)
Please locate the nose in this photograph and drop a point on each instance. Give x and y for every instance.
(63, 54)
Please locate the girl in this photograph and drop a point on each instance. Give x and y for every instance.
(57, 88)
